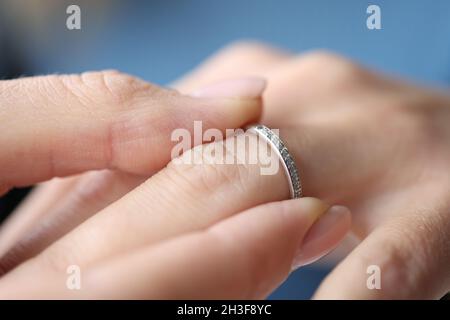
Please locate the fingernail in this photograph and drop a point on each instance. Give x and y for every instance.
(250, 87)
(323, 236)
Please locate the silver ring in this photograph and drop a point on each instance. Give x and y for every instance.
(286, 159)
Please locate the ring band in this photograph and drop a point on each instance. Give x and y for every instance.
(286, 159)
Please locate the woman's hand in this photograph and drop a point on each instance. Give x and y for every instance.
(64, 125)
(190, 231)
(377, 145)
(372, 143)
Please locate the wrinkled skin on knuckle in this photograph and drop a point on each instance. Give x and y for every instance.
(112, 90)
(146, 133)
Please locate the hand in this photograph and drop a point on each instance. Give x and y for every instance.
(394, 176)
(376, 144)
(177, 235)
(60, 126)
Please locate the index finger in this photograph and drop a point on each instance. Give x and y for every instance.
(62, 125)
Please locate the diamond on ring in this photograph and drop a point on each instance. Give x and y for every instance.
(286, 159)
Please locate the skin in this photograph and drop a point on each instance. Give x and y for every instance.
(375, 144)
(112, 123)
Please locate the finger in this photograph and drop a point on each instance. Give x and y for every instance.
(59, 214)
(323, 141)
(62, 213)
(32, 210)
(61, 125)
(141, 215)
(235, 60)
(88, 194)
(245, 256)
(323, 236)
(186, 196)
(407, 258)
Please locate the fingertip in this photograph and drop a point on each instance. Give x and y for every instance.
(232, 103)
(323, 236)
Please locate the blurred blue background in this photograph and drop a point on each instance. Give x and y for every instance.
(159, 40)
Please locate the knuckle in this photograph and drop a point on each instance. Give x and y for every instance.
(114, 90)
(330, 70)
(245, 47)
(11, 89)
(322, 57)
(118, 88)
(249, 50)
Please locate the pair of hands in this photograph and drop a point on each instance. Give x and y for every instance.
(373, 144)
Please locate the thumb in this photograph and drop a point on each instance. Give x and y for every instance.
(241, 257)
(62, 125)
